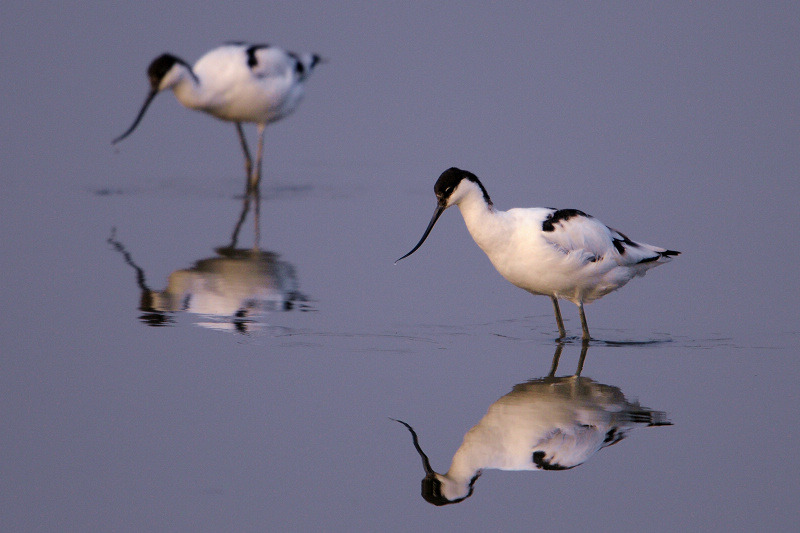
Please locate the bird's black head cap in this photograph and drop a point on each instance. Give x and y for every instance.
(450, 179)
(160, 66)
(432, 491)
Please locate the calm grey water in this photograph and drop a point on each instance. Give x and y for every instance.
(677, 124)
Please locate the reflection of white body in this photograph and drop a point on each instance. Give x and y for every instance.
(228, 288)
(544, 424)
(558, 253)
(237, 285)
(236, 82)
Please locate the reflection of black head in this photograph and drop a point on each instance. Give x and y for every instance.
(156, 319)
(431, 484)
(151, 316)
(240, 321)
(432, 490)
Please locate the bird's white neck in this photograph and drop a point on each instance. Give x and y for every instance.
(483, 221)
(467, 461)
(474, 455)
(187, 87)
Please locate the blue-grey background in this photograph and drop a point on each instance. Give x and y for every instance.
(677, 123)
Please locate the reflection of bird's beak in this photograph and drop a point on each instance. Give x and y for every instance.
(426, 464)
(152, 94)
(436, 214)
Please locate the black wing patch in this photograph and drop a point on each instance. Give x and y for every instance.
(561, 215)
(623, 241)
(544, 464)
(252, 60)
(613, 436)
(299, 67)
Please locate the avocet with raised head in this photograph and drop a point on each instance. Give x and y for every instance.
(236, 82)
(560, 253)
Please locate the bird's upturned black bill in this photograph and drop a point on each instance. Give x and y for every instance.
(426, 464)
(146, 104)
(434, 218)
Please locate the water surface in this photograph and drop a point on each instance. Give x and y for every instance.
(263, 400)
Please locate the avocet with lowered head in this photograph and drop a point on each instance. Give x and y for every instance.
(236, 82)
(560, 253)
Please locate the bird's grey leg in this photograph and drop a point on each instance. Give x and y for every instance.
(556, 358)
(584, 349)
(584, 326)
(242, 217)
(248, 161)
(256, 176)
(257, 217)
(561, 331)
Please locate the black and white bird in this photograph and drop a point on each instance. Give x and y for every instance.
(236, 82)
(560, 253)
(552, 423)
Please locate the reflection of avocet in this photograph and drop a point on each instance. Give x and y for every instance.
(230, 289)
(237, 82)
(562, 253)
(551, 423)
(234, 287)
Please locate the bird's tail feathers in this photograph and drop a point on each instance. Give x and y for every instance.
(649, 418)
(656, 254)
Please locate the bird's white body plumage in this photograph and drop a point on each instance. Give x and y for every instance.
(238, 82)
(577, 261)
(560, 253)
(545, 424)
(222, 84)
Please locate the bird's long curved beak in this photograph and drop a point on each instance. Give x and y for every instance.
(436, 214)
(426, 464)
(152, 94)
